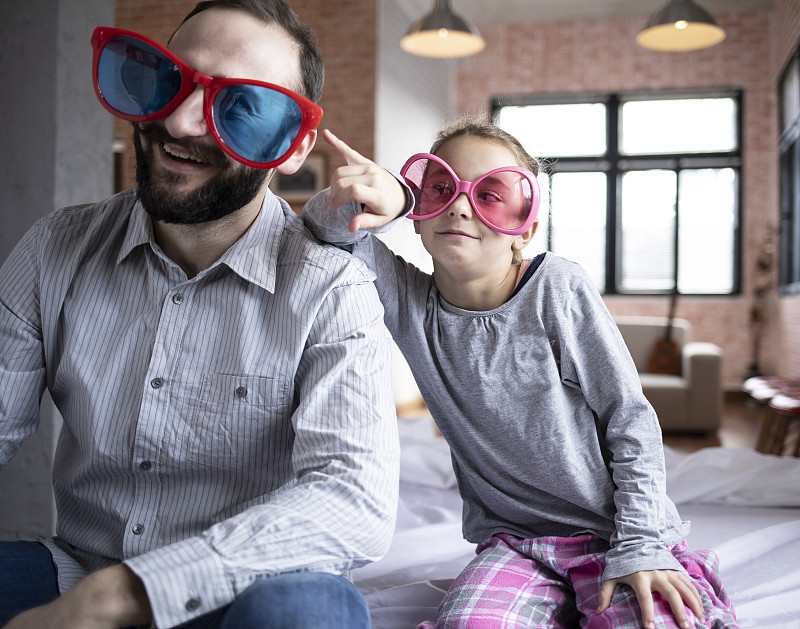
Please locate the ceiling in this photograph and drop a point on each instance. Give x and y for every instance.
(486, 12)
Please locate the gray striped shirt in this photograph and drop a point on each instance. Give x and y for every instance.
(217, 429)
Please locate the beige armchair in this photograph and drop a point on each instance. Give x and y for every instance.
(690, 401)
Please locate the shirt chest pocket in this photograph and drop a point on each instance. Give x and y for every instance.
(240, 422)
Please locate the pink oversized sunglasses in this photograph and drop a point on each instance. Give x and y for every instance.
(505, 199)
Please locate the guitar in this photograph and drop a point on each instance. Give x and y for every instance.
(666, 356)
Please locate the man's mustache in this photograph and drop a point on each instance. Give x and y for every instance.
(211, 155)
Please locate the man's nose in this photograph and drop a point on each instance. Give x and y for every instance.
(187, 118)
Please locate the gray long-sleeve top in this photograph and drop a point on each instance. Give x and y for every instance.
(538, 399)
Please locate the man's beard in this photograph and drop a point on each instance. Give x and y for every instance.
(235, 186)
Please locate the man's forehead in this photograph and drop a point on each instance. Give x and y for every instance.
(230, 43)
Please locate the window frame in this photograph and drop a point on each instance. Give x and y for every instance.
(789, 168)
(614, 164)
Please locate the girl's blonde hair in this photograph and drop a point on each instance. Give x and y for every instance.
(479, 128)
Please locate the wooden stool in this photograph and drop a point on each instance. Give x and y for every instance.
(761, 390)
(786, 409)
(780, 398)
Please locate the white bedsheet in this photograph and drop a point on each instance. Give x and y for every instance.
(743, 505)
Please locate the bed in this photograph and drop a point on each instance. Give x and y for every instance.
(743, 505)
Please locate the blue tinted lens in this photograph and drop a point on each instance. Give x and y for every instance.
(256, 122)
(136, 79)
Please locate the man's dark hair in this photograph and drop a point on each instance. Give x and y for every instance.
(276, 12)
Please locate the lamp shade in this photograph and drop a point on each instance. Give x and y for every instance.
(442, 34)
(680, 26)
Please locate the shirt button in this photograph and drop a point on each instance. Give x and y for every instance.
(145, 465)
(138, 529)
(177, 299)
(157, 383)
(241, 392)
(193, 604)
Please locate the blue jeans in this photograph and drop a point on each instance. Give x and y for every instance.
(27, 578)
(298, 600)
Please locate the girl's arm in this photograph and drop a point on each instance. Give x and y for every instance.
(601, 363)
(363, 183)
(364, 199)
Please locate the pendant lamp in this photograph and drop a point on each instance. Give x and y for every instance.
(442, 34)
(680, 26)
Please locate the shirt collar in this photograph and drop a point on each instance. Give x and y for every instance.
(254, 257)
(139, 232)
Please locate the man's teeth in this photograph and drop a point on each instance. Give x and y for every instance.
(181, 154)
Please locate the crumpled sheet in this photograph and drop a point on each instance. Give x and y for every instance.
(743, 505)
(733, 476)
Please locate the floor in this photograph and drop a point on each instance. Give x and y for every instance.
(740, 425)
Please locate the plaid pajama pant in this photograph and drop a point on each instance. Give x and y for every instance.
(555, 582)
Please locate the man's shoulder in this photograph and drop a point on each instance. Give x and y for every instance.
(300, 248)
(88, 217)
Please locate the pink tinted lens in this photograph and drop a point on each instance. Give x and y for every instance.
(433, 186)
(504, 198)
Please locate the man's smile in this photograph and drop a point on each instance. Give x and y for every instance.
(177, 152)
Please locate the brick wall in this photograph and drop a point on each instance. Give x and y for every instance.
(603, 56)
(785, 34)
(786, 38)
(346, 30)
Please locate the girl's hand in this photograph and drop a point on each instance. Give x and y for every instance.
(363, 181)
(673, 585)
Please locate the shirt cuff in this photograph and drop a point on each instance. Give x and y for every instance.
(619, 565)
(356, 208)
(183, 581)
(407, 190)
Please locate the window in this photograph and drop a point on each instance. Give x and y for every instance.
(641, 189)
(790, 175)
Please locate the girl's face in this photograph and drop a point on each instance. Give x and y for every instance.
(458, 241)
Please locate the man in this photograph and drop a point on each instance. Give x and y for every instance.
(229, 447)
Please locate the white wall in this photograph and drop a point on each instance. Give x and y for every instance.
(414, 97)
(56, 152)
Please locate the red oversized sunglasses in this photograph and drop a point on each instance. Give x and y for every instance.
(259, 124)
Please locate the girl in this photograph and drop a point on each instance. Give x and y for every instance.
(557, 453)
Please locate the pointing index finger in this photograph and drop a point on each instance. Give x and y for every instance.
(350, 155)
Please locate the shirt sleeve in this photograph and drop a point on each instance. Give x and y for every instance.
(339, 514)
(22, 369)
(600, 364)
(330, 225)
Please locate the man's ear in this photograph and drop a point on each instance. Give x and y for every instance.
(522, 240)
(293, 164)
(416, 226)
